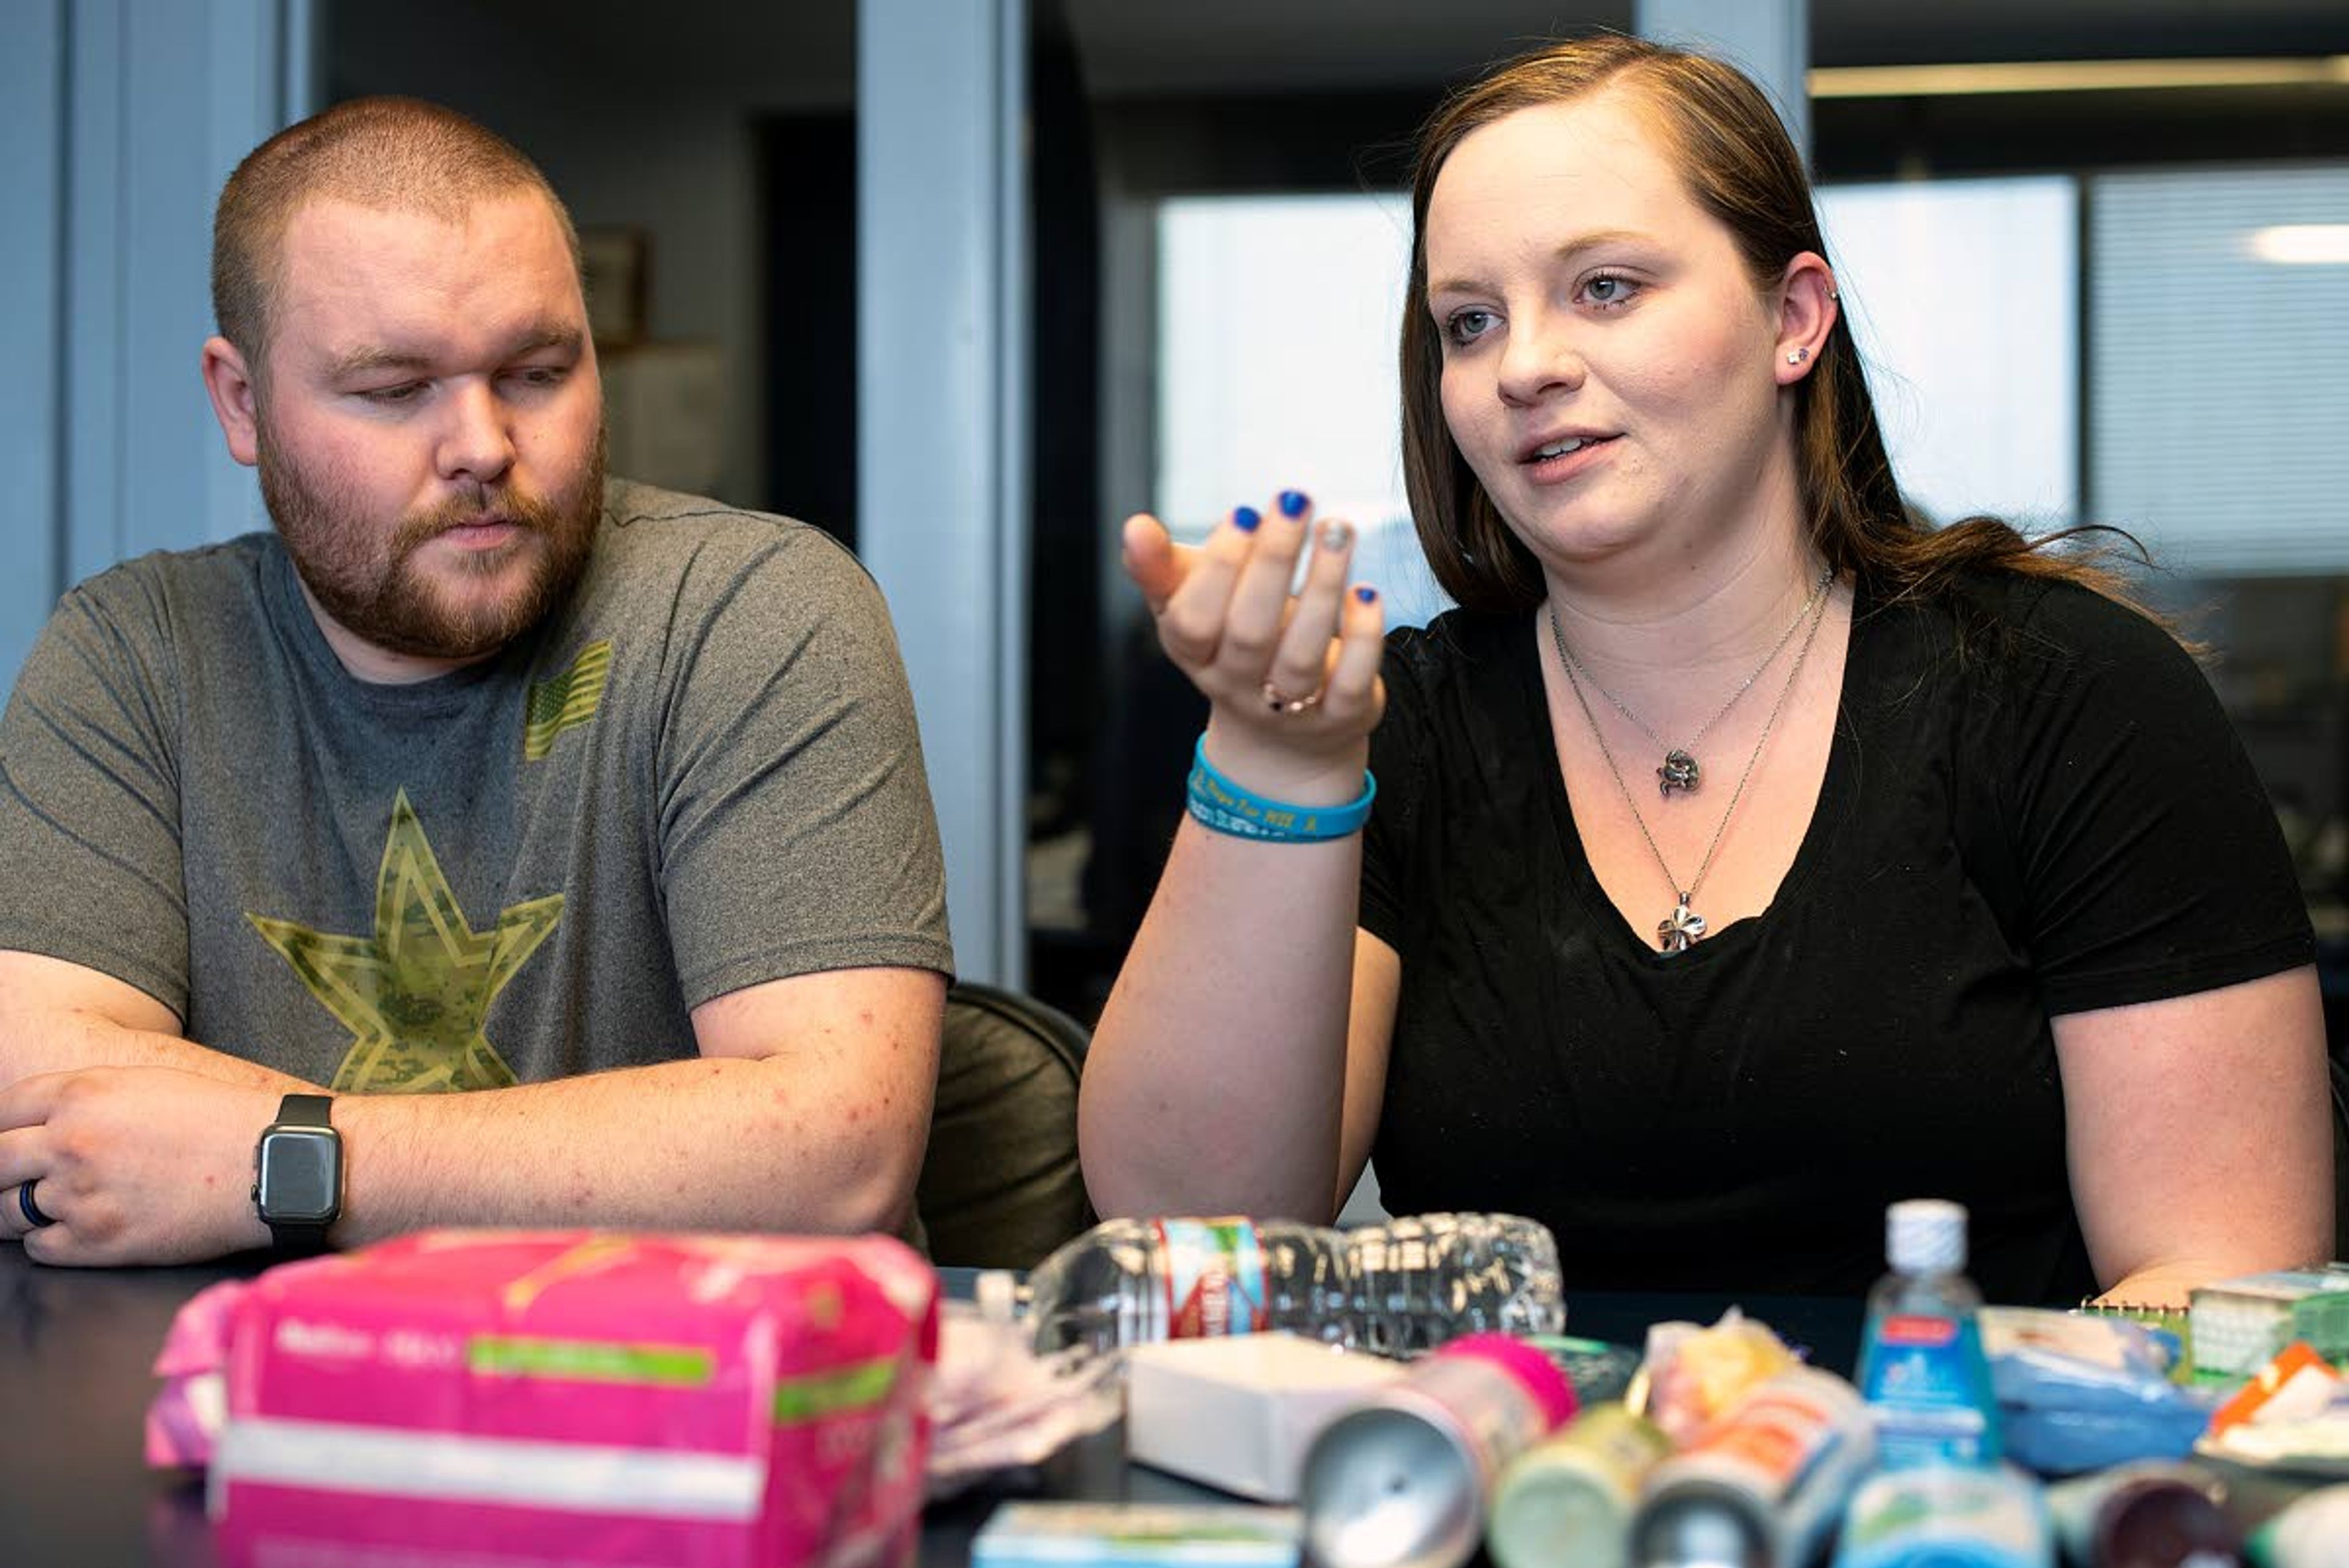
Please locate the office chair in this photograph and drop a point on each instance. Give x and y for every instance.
(999, 1185)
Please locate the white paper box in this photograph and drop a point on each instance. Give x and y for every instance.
(1239, 1413)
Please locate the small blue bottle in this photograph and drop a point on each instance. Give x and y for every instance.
(1921, 1366)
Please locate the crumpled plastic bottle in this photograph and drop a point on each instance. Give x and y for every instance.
(1395, 1289)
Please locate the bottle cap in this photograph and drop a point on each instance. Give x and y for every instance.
(997, 1294)
(1535, 1376)
(1925, 1236)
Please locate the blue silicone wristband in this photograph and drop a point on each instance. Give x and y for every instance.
(1228, 807)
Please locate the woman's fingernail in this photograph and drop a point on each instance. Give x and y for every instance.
(1366, 593)
(1246, 519)
(1293, 503)
(1336, 534)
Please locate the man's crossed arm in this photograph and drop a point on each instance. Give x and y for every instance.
(806, 1110)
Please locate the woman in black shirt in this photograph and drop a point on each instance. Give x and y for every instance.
(1745, 855)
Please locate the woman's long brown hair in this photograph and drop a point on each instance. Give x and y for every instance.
(1734, 151)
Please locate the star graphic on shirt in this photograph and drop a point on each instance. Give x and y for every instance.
(415, 993)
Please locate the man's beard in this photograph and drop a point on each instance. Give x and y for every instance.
(376, 590)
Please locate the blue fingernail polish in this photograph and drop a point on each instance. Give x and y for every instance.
(1293, 503)
(1366, 593)
(1245, 519)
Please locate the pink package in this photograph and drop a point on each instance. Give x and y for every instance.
(531, 1398)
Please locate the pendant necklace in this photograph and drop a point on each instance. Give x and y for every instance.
(1680, 930)
(1680, 770)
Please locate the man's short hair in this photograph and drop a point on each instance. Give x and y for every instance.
(391, 154)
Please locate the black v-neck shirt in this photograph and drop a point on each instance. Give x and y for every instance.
(2058, 819)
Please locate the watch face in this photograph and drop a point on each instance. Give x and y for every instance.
(301, 1176)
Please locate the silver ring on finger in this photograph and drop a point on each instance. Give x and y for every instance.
(1281, 701)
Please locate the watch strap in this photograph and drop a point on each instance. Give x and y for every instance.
(306, 1111)
(297, 1239)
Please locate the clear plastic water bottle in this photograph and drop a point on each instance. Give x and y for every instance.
(1396, 1289)
(1921, 1366)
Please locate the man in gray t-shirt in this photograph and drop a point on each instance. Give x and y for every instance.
(603, 806)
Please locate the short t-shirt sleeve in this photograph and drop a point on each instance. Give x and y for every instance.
(2147, 853)
(797, 833)
(89, 794)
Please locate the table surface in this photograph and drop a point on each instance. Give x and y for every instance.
(76, 1346)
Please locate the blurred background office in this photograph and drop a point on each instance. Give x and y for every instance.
(966, 281)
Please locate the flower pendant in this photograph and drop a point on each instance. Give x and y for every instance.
(1677, 932)
(1679, 772)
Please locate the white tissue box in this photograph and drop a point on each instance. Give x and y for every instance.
(1239, 1413)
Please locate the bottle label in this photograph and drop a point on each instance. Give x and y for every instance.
(1214, 1272)
(1791, 1448)
(1777, 1435)
(1949, 1514)
(1915, 1329)
(1613, 1445)
(1482, 1401)
(1925, 1377)
(1534, 1375)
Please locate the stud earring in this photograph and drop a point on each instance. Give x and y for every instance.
(1798, 356)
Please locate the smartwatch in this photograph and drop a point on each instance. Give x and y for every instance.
(297, 1180)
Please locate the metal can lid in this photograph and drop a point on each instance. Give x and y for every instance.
(1384, 1487)
(1697, 1525)
(1565, 1512)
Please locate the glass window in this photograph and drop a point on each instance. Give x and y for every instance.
(2220, 378)
(1278, 318)
(1276, 327)
(1964, 295)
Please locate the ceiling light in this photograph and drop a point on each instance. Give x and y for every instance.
(2074, 76)
(2303, 244)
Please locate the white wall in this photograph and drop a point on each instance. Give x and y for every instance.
(32, 187)
(122, 119)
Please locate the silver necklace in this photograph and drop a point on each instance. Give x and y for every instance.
(1680, 770)
(1680, 930)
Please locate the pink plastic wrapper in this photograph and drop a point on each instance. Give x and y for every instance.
(508, 1399)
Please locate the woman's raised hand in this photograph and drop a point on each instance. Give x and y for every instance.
(1294, 677)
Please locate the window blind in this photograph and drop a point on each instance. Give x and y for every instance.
(2218, 381)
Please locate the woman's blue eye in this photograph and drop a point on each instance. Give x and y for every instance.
(1464, 327)
(1610, 289)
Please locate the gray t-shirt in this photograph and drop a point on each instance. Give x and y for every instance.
(700, 773)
